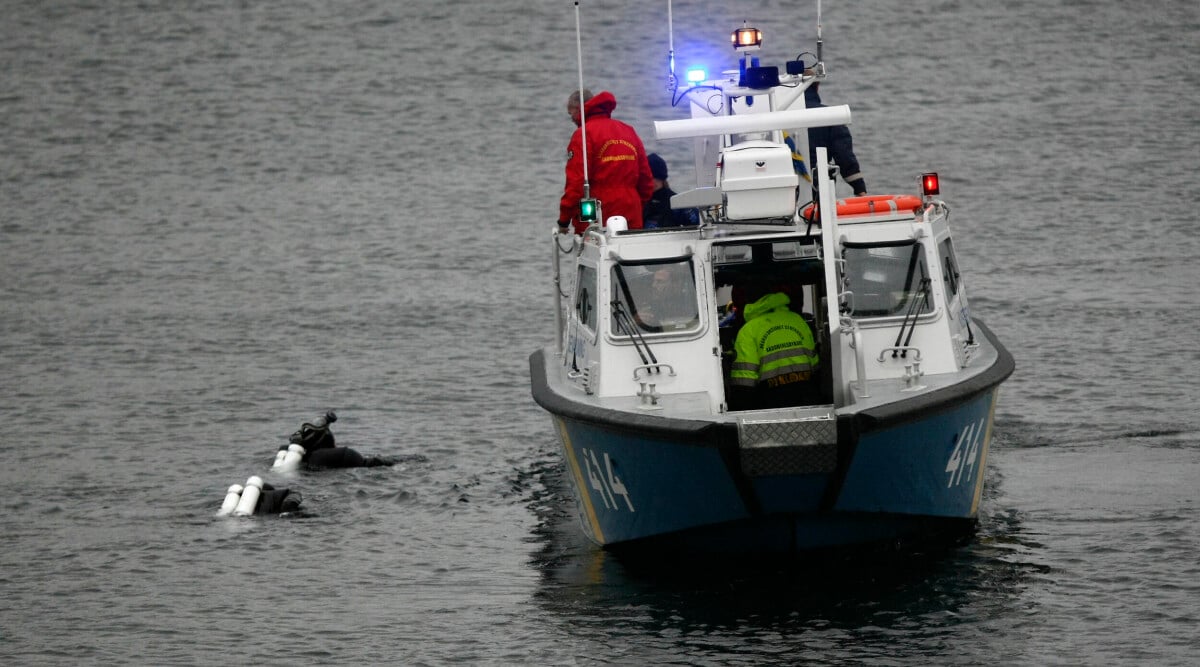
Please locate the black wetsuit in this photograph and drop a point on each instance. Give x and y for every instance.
(341, 457)
(277, 501)
(321, 451)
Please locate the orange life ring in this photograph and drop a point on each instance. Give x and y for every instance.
(870, 204)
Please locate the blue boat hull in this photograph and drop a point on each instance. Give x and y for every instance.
(913, 468)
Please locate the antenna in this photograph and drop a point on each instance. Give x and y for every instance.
(820, 44)
(671, 85)
(587, 188)
(589, 209)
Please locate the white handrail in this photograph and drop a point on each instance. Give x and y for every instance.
(860, 363)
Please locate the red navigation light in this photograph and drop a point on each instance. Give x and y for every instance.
(930, 185)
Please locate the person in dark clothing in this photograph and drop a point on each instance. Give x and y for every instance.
(837, 141)
(657, 212)
(258, 497)
(277, 501)
(320, 450)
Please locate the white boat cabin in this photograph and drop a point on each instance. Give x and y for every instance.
(650, 316)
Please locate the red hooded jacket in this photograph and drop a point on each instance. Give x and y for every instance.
(618, 171)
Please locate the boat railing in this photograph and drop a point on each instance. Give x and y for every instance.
(558, 293)
(573, 245)
(850, 328)
(933, 208)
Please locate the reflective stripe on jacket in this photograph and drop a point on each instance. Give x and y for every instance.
(774, 347)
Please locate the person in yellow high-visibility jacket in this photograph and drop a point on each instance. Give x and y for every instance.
(775, 356)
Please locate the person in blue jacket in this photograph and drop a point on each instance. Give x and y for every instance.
(658, 212)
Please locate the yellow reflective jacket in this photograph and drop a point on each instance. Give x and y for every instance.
(775, 347)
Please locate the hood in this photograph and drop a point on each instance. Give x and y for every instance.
(601, 104)
(766, 304)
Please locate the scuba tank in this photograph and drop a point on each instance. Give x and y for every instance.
(232, 496)
(249, 500)
(289, 458)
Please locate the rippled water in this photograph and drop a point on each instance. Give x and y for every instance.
(219, 219)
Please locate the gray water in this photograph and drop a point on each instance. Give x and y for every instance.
(219, 219)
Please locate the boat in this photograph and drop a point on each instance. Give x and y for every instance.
(888, 443)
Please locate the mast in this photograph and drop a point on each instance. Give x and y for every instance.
(671, 83)
(587, 188)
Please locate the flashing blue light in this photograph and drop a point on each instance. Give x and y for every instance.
(696, 75)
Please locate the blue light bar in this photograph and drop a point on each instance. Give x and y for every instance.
(696, 74)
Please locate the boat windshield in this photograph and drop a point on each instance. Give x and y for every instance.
(884, 279)
(660, 297)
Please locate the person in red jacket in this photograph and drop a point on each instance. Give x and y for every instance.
(618, 172)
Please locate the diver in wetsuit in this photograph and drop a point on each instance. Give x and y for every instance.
(257, 497)
(321, 451)
(277, 501)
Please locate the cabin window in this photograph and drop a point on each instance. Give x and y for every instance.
(733, 254)
(950, 273)
(585, 297)
(886, 279)
(789, 250)
(654, 297)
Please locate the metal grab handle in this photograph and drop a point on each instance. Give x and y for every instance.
(903, 349)
(652, 369)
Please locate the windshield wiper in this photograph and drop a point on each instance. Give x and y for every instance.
(910, 318)
(625, 322)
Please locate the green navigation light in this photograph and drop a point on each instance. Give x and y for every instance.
(588, 209)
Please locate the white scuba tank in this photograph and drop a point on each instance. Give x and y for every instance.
(291, 458)
(279, 457)
(250, 494)
(232, 496)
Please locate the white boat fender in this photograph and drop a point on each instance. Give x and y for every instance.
(232, 496)
(250, 494)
